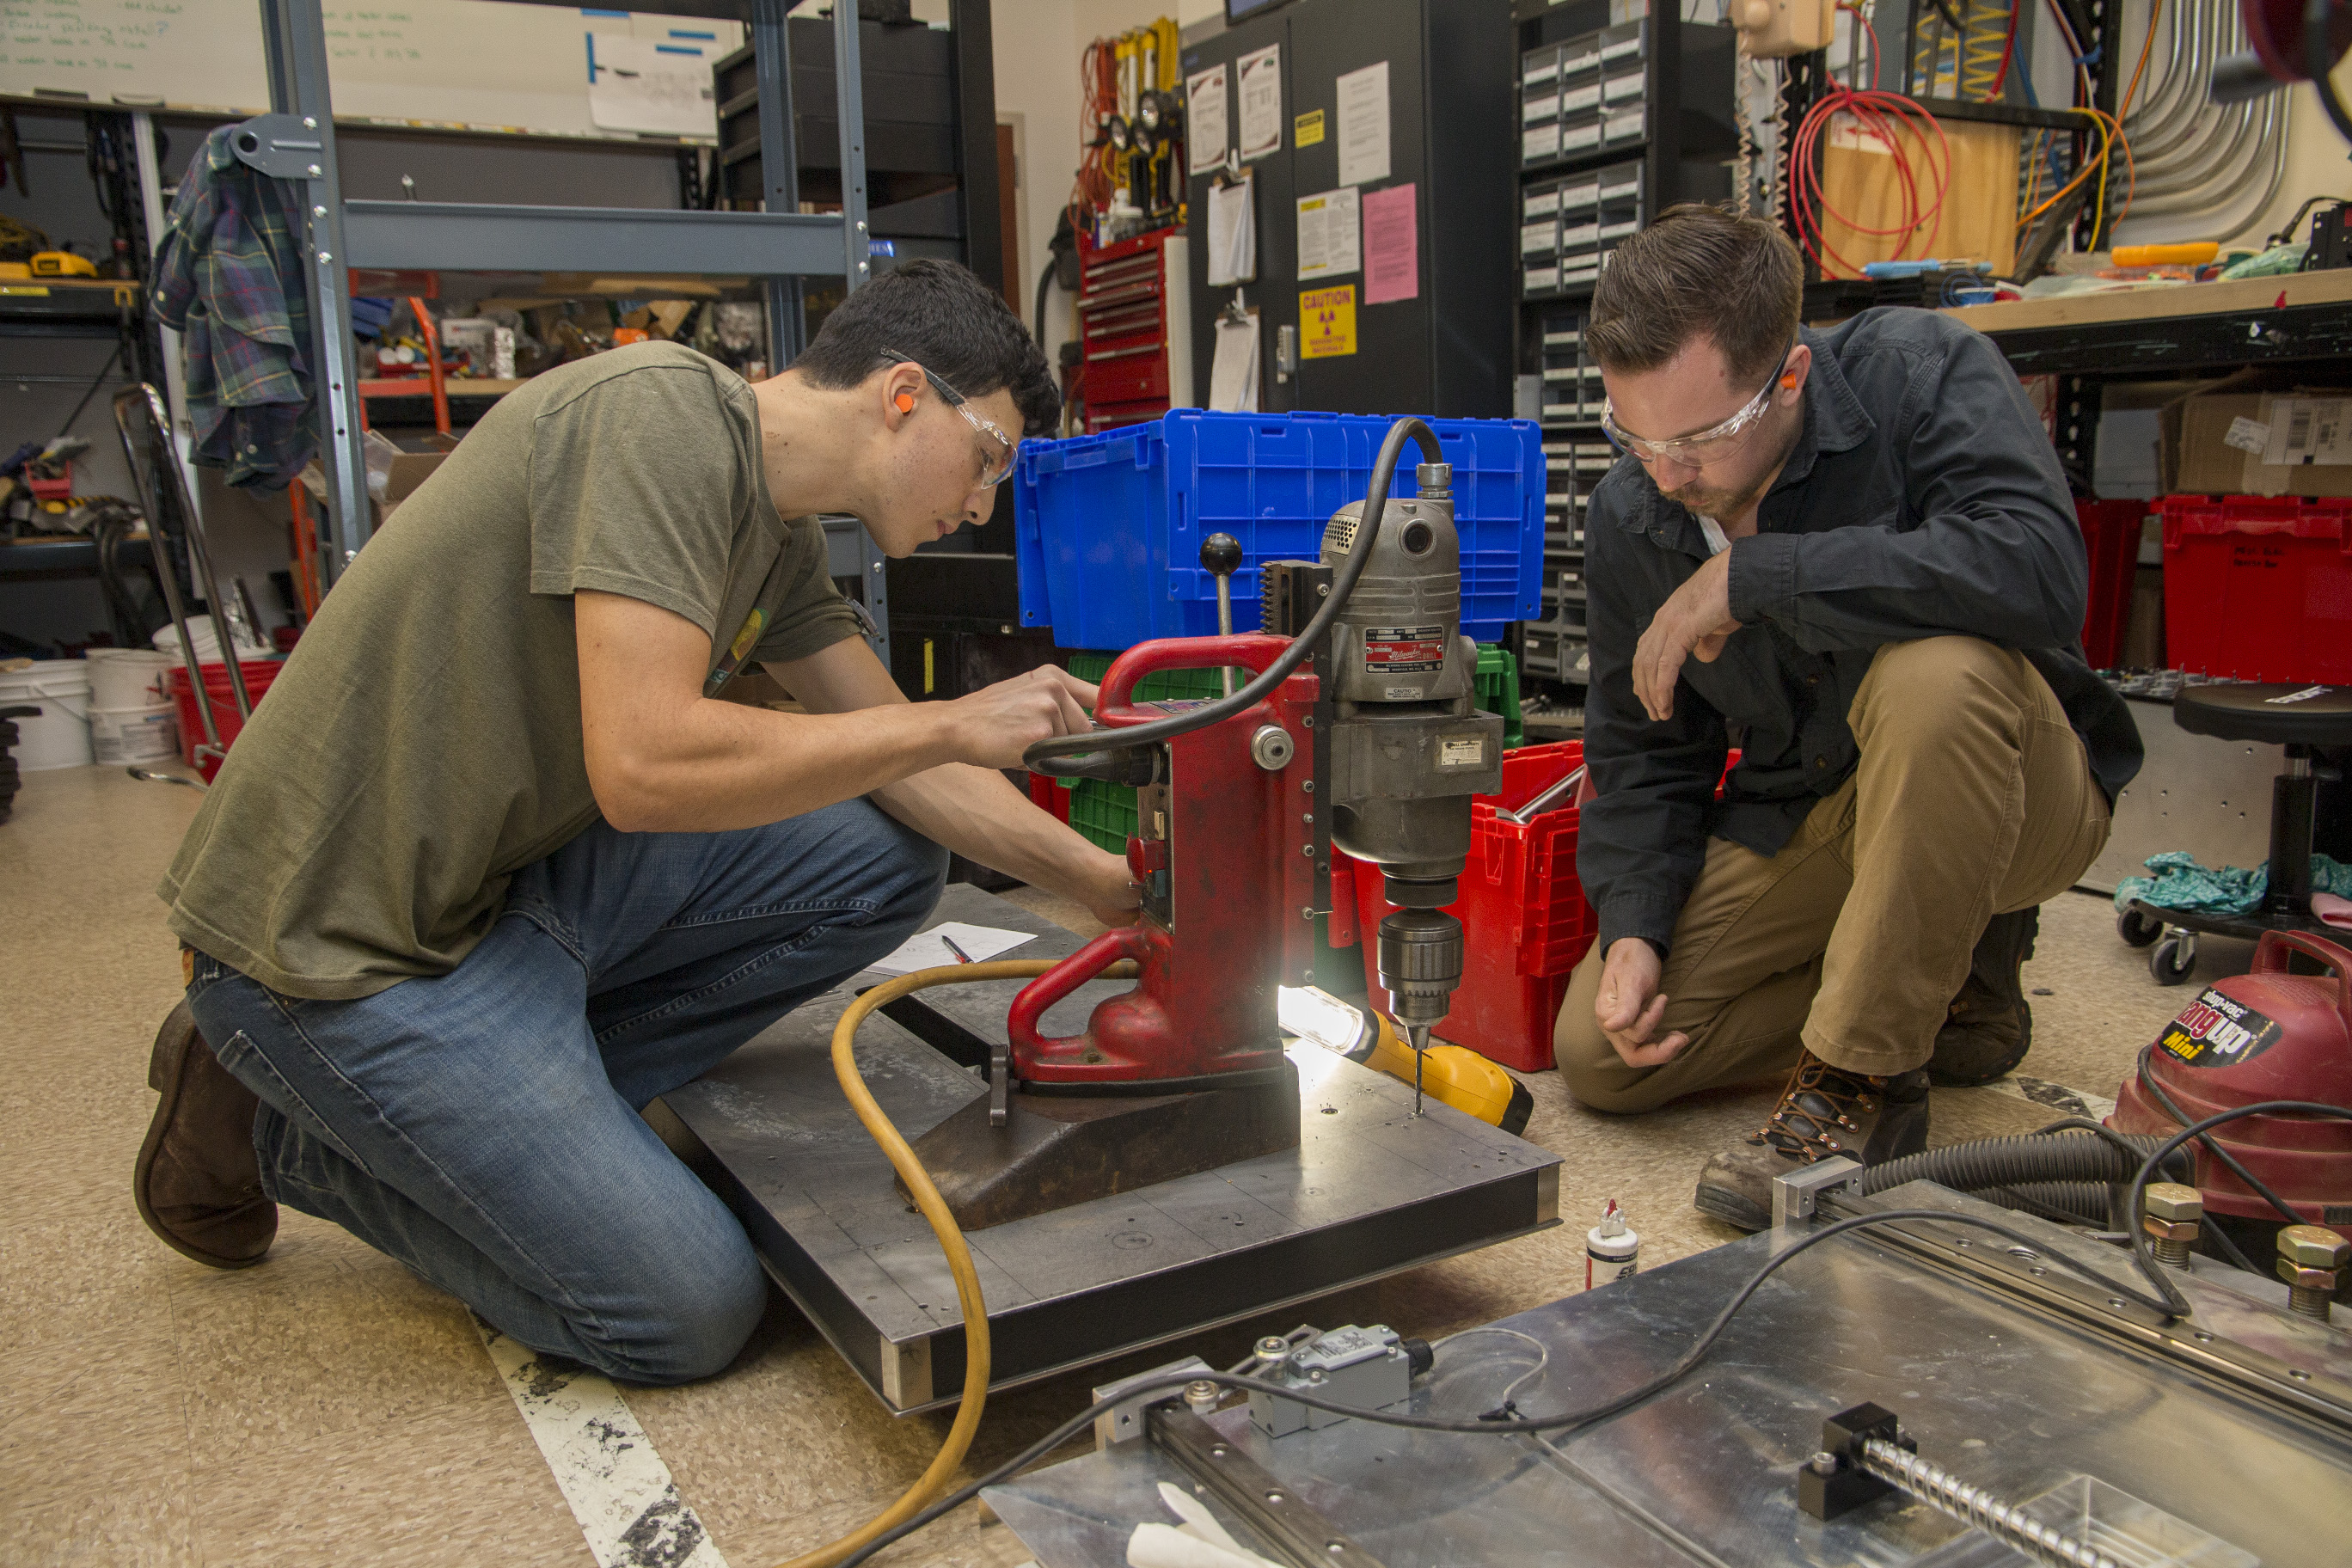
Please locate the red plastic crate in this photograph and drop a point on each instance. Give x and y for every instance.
(222, 697)
(2258, 587)
(1050, 797)
(1525, 921)
(2111, 531)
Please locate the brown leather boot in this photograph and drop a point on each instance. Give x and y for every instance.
(1824, 1113)
(197, 1183)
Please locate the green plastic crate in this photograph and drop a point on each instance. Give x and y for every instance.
(1167, 685)
(1497, 690)
(1104, 813)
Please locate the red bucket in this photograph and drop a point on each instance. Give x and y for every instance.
(221, 696)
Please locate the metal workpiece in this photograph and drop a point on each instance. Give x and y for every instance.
(1369, 1190)
(2022, 1400)
(2172, 1214)
(2310, 1259)
(1370, 1368)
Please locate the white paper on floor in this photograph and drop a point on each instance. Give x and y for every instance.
(620, 1491)
(925, 950)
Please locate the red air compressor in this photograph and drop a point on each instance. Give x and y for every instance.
(2266, 1034)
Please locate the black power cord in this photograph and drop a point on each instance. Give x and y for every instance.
(2177, 1305)
(2254, 1184)
(1523, 1426)
(1088, 750)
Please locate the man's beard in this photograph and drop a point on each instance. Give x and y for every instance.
(1707, 500)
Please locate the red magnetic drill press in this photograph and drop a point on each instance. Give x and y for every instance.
(1358, 728)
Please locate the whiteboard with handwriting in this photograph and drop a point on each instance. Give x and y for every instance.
(477, 64)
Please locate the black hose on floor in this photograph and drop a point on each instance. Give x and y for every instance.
(2015, 1161)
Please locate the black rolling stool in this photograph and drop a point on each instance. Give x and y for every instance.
(2303, 719)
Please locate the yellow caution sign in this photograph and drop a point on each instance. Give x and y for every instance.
(1306, 129)
(1326, 321)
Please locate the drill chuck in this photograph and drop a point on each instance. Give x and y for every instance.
(1421, 962)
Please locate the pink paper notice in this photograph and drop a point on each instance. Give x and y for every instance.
(1391, 246)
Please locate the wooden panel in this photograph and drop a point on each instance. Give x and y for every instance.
(2137, 304)
(1979, 217)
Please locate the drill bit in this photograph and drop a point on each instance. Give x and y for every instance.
(1417, 1035)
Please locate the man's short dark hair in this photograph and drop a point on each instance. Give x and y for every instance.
(942, 316)
(1699, 271)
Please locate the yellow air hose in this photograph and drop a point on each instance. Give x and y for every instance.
(934, 1480)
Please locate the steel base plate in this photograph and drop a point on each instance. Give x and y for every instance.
(1370, 1190)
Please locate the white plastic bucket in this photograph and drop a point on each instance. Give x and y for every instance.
(128, 678)
(58, 736)
(149, 734)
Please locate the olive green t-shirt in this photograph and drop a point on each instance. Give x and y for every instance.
(424, 741)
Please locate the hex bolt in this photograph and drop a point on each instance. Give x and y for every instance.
(1202, 1395)
(2173, 1210)
(2309, 1258)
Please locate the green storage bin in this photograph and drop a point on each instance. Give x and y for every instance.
(1168, 685)
(1497, 690)
(1103, 813)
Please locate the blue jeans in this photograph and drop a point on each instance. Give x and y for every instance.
(482, 1127)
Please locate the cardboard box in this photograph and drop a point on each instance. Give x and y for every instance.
(2243, 438)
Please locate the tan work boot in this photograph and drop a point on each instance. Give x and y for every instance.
(197, 1183)
(1990, 1027)
(1824, 1113)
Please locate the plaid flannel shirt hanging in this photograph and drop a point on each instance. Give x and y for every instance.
(229, 278)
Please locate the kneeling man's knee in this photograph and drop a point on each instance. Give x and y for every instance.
(695, 1321)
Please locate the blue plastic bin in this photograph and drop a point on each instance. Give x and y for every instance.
(1109, 527)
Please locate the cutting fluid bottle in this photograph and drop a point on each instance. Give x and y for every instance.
(1612, 1249)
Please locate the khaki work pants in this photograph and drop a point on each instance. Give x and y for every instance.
(1973, 798)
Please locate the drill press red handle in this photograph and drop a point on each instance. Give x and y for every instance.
(1253, 650)
(1040, 995)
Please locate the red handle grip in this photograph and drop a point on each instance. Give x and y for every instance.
(1040, 994)
(1251, 650)
(2270, 958)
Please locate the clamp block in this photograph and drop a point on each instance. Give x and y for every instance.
(1833, 1481)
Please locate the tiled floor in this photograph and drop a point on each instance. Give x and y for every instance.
(328, 1407)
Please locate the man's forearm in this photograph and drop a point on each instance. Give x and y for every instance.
(978, 814)
(726, 766)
